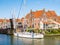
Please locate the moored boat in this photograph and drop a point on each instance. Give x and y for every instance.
(28, 35)
(22, 27)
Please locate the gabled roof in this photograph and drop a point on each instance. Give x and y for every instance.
(7, 20)
(1, 20)
(39, 13)
(58, 17)
(50, 14)
(36, 14)
(27, 16)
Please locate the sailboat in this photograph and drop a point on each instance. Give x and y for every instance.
(28, 34)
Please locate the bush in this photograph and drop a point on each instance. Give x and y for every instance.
(47, 32)
(52, 31)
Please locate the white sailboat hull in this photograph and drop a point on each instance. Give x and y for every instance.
(29, 35)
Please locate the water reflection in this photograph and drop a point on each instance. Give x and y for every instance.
(4, 39)
(52, 40)
(26, 41)
(12, 40)
(49, 41)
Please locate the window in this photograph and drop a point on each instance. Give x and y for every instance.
(38, 24)
(33, 25)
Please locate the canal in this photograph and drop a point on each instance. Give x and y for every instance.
(12, 40)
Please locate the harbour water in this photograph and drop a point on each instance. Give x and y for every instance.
(12, 40)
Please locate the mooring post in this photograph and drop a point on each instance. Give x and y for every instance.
(12, 28)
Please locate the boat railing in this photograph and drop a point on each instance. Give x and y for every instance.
(28, 33)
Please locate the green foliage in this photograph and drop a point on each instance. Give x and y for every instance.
(52, 31)
(35, 30)
(48, 31)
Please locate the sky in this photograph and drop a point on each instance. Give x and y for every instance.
(23, 7)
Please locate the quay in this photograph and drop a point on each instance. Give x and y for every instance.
(6, 31)
(46, 35)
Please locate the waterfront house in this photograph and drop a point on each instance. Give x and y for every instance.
(4, 23)
(41, 19)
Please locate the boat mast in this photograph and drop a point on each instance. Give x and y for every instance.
(20, 9)
(23, 2)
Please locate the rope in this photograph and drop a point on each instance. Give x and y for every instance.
(20, 8)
